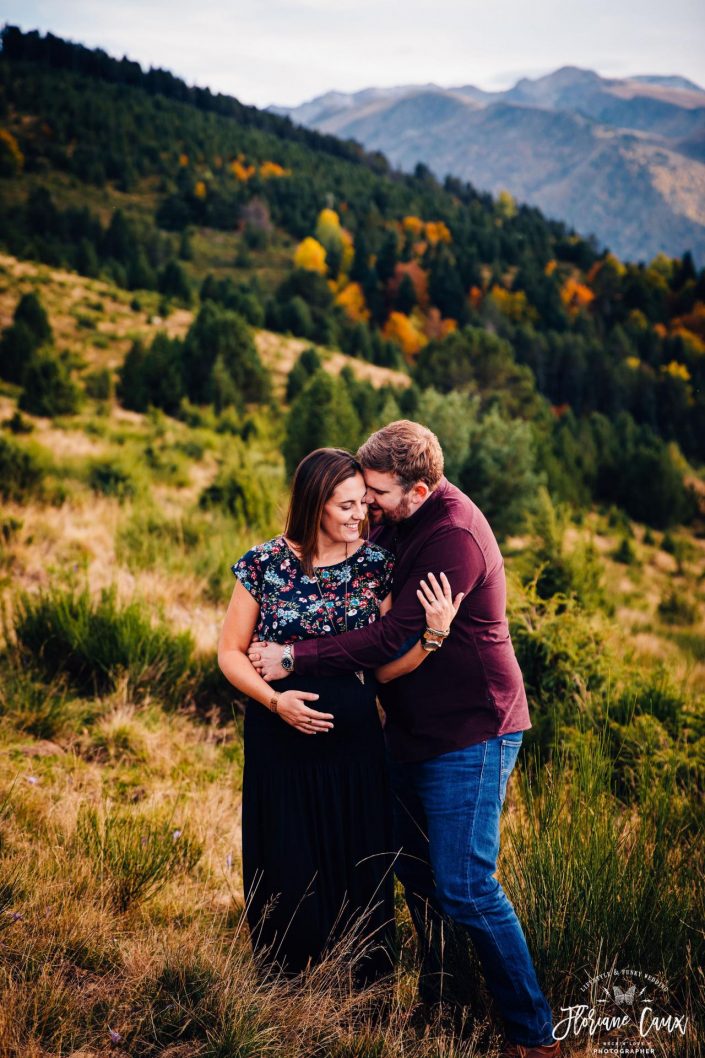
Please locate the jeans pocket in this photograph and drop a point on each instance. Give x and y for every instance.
(508, 753)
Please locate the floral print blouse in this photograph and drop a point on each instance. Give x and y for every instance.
(294, 606)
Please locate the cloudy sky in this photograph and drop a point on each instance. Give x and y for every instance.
(287, 51)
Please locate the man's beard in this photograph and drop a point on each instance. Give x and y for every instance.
(398, 514)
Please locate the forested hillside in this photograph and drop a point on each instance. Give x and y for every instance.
(132, 175)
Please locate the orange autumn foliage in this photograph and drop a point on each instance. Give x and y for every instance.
(475, 297)
(183, 160)
(242, 172)
(267, 170)
(13, 154)
(576, 296)
(436, 327)
(404, 330)
(200, 190)
(693, 321)
(418, 277)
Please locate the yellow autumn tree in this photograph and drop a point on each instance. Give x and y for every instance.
(506, 205)
(513, 304)
(200, 190)
(676, 370)
(328, 226)
(337, 242)
(352, 299)
(310, 255)
(437, 231)
(413, 224)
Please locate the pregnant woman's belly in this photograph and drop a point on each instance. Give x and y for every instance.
(356, 725)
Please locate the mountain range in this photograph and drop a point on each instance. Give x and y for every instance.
(622, 159)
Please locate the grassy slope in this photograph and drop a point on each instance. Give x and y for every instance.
(142, 756)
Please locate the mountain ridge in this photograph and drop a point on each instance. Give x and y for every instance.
(642, 138)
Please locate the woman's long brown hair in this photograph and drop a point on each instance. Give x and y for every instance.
(315, 480)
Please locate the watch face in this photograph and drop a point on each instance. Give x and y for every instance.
(287, 662)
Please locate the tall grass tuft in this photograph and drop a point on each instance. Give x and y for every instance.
(30, 704)
(134, 853)
(597, 883)
(94, 642)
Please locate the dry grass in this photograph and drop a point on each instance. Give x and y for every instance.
(67, 297)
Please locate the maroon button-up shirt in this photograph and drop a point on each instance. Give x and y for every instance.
(472, 688)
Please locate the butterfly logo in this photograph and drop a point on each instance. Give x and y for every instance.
(624, 998)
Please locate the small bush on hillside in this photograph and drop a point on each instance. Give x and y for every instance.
(17, 424)
(48, 387)
(624, 552)
(110, 479)
(553, 567)
(242, 494)
(93, 642)
(21, 472)
(99, 384)
(675, 608)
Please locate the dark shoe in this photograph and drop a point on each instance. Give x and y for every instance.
(517, 1050)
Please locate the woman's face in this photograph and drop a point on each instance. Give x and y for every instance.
(345, 511)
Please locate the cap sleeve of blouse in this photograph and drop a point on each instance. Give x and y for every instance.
(249, 572)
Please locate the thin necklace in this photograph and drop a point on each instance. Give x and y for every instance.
(333, 618)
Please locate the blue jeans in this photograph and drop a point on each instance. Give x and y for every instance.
(446, 820)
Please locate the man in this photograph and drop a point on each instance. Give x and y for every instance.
(454, 725)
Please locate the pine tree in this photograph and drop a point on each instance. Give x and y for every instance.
(48, 387)
(322, 415)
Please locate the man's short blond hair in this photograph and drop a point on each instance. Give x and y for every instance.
(406, 449)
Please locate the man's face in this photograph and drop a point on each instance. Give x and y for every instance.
(385, 498)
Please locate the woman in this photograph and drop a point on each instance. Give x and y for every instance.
(316, 835)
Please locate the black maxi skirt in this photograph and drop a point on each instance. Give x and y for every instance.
(316, 831)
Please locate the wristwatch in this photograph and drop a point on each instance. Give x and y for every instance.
(288, 658)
